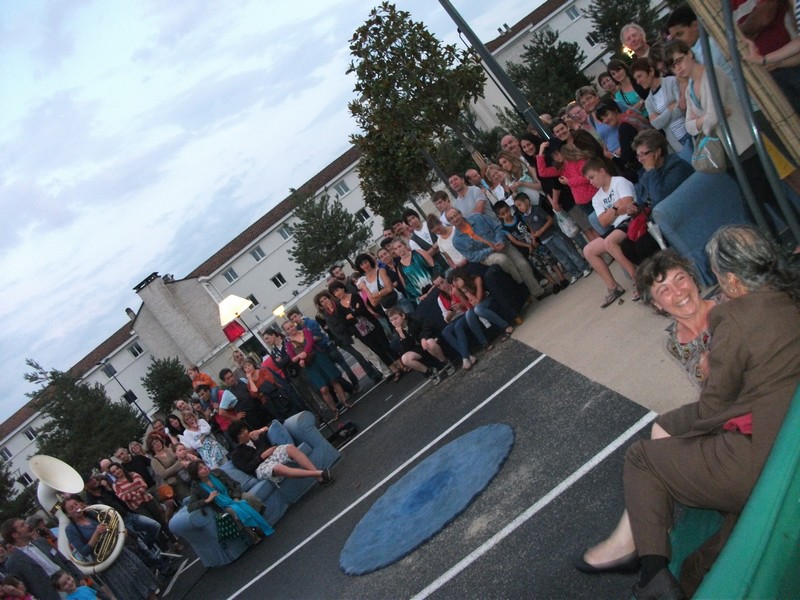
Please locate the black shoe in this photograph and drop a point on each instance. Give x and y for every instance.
(378, 378)
(327, 477)
(626, 564)
(663, 586)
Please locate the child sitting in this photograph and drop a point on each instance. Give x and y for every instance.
(415, 343)
(519, 235)
(543, 230)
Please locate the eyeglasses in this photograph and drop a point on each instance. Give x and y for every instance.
(676, 60)
(641, 155)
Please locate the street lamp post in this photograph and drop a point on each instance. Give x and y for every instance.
(128, 395)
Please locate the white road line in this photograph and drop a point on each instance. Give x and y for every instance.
(180, 570)
(387, 413)
(536, 507)
(388, 477)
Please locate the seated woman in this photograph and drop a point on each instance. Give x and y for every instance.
(709, 454)
(416, 344)
(472, 295)
(197, 436)
(519, 176)
(255, 455)
(445, 233)
(614, 196)
(455, 315)
(128, 577)
(224, 494)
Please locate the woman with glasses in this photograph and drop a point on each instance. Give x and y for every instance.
(702, 116)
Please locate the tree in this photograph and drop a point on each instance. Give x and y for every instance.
(166, 381)
(82, 425)
(12, 504)
(609, 16)
(325, 233)
(549, 72)
(411, 88)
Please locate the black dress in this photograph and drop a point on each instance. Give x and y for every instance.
(367, 328)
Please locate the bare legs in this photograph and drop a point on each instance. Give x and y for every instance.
(594, 250)
(307, 468)
(620, 543)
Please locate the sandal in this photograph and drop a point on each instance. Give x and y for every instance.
(612, 296)
(636, 295)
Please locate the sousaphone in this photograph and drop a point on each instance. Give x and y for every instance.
(55, 476)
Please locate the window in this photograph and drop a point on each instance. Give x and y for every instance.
(31, 433)
(135, 349)
(285, 231)
(545, 29)
(341, 188)
(25, 479)
(257, 253)
(252, 299)
(279, 280)
(230, 275)
(363, 216)
(591, 39)
(5, 453)
(573, 13)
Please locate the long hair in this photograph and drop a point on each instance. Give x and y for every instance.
(746, 252)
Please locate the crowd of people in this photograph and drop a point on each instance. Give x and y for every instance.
(441, 287)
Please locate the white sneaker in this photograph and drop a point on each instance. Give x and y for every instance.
(587, 272)
(573, 279)
(466, 364)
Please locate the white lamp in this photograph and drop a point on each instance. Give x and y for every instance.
(231, 308)
(280, 311)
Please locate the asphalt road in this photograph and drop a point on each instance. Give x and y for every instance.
(559, 491)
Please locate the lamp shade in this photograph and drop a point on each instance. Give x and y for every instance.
(231, 308)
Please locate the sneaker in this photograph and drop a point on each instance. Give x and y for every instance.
(434, 376)
(466, 364)
(557, 289)
(573, 279)
(587, 272)
(449, 369)
(612, 296)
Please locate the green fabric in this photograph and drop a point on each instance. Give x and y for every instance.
(762, 557)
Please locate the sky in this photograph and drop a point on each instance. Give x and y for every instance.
(142, 136)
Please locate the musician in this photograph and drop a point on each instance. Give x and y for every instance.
(128, 577)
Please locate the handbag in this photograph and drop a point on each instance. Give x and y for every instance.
(226, 526)
(709, 155)
(165, 492)
(389, 300)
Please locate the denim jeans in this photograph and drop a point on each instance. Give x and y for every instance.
(563, 249)
(455, 334)
(483, 310)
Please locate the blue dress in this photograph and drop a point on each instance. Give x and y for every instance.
(246, 513)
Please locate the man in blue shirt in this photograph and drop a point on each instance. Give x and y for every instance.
(482, 240)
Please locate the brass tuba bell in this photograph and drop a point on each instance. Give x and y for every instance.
(57, 476)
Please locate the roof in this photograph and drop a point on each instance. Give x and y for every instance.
(117, 339)
(8, 426)
(272, 217)
(538, 15)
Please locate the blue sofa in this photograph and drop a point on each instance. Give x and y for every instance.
(690, 215)
(198, 528)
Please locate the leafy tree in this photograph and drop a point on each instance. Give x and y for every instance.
(325, 233)
(548, 72)
(12, 504)
(82, 424)
(609, 16)
(166, 381)
(411, 88)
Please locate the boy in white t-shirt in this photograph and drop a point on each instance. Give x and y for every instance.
(614, 197)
